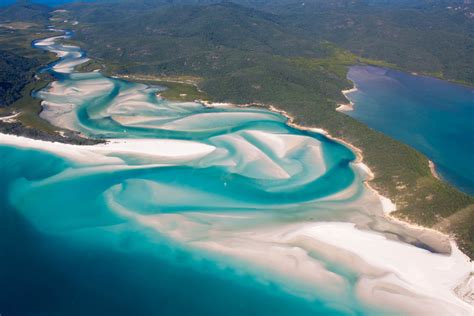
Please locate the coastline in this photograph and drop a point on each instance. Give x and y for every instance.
(309, 231)
(388, 206)
(433, 169)
(329, 236)
(346, 107)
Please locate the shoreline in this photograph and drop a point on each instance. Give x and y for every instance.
(388, 206)
(432, 167)
(134, 146)
(346, 107)
(330, 236)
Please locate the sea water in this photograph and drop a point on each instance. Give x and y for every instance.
(434, 116)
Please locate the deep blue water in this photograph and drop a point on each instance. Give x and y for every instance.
(434, 116)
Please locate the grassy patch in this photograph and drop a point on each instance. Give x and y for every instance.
(177, 91)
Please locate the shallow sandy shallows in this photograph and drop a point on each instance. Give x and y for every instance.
(338, 246)
(391, 274)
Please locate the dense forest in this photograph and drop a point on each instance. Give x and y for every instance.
(25, 11)
(17, 65)
(432, 37)
(15, 73)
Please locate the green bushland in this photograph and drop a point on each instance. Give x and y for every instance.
(435, 38)
(178, 91)
(27, 60)
(175, 89)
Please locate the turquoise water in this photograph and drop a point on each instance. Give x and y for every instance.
(188, 210)
(434, 116)
(64, 262)
(72, 238)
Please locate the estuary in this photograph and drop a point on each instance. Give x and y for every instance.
(210, 209)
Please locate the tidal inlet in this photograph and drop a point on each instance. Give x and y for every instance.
(203, 209)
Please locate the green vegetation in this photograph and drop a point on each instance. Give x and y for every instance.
(427, 37)
(178, 91)
(14, 75)
(25, 12)
(19, 26)
(29, 108)
(18, 64)
(18, 60)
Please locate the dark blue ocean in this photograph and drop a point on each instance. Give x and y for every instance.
(434, 116)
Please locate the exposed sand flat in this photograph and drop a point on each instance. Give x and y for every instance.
(9, 118)
(387, 205)
(18, 25)
(432, 167)
(431, 276)
(201, 120)
(345, 107)
(391, 274)
(68, 66)
(349, 90)
(418, 281)
(48, 41)
(161, 149)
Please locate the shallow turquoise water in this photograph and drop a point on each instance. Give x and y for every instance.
(434, 116)
(72, 236)
(74, 257)
(187, 210)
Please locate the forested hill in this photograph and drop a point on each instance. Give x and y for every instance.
(15, 73)
(434, 37)
(188, 30)
(17, 64)
(424, 36)
(25, 12)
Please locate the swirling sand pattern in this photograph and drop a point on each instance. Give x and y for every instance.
(281, 208)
